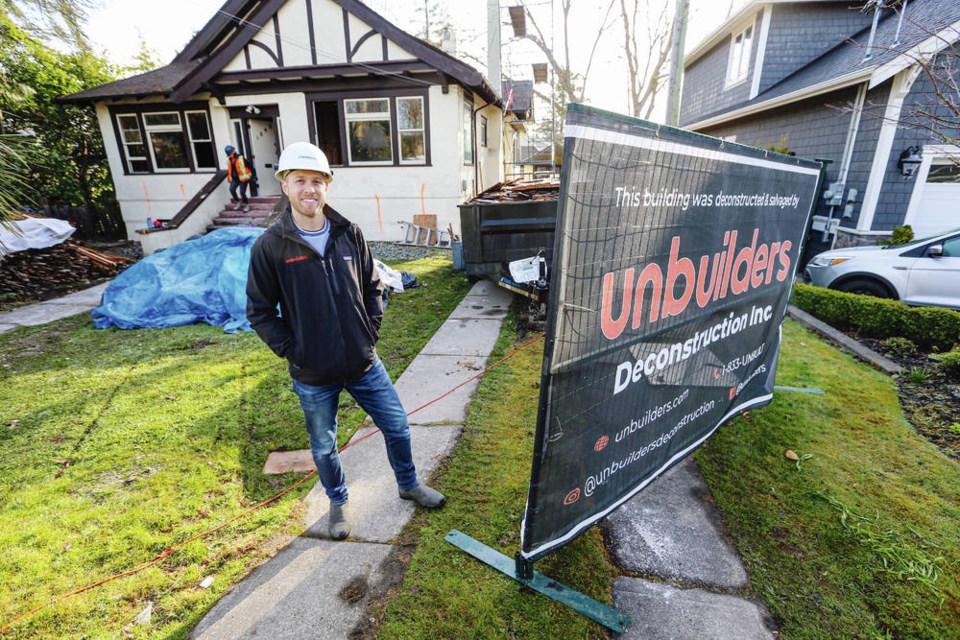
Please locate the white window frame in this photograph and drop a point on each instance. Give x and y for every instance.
(128, 158)
(163, 128)
(741, 50)
(349, 118)
(422, 130)
(484, 126)
(194, 141)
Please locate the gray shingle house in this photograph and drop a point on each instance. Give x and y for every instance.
(854, 84)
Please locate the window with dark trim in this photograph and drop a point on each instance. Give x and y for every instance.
(165, 141)
(467, 133)
(373, 130)
(483, 131)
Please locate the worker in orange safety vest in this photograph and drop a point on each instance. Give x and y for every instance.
(238, 175)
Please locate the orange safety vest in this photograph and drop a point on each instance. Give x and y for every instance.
(243, 173)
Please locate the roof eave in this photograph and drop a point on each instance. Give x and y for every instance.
(829, 86)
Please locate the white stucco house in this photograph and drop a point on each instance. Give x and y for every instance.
(408, 128)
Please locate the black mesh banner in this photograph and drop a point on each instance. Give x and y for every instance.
(674, 258)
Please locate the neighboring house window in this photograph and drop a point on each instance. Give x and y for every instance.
(368, 131)
(166, 141)
(483, 131)
(410, 125)
(131, 139)
(376, 131)
(467, 133)
(740, 48)
(944, 170)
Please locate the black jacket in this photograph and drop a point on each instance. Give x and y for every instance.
(330, 308)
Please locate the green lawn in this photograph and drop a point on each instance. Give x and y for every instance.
(858, 540)
(119, 444)
(116, 445)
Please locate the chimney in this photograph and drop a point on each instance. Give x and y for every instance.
(493, 44)
(448, 42)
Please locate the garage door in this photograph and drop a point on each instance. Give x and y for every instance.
(940, 203)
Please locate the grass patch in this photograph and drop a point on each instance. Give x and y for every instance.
(855, 537)
(861, 540)
(115, 445)
(448, 594)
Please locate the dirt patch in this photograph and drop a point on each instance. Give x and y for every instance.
(930, 399)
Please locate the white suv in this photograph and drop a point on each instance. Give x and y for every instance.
(922, 272)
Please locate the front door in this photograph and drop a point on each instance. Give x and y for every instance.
(264, 153)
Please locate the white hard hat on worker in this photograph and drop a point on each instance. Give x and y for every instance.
(303, 156)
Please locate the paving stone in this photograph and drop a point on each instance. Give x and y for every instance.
(660, 611)
(672, 531)
(286, 461)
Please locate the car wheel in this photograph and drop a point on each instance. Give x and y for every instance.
(865, 287)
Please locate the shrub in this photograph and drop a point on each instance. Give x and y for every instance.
(950, 364)
(929, 327)
(900, 346)
(902, 235)
(919, 375)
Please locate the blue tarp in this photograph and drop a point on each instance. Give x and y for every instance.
(201, 280)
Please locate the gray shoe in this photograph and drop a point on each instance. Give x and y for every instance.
(339, 524)
(424, 496)
(246, 208)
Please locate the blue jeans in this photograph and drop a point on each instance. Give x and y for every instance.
(243, 191)
(376, 395)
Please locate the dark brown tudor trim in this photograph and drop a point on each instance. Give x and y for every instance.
(310, 32)
(386, 50)
(363, 38)
(276, 33)
(273, 56)
(346, 33)
(226, 53)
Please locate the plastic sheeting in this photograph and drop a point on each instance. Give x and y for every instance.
(33, 233)
(201, 280)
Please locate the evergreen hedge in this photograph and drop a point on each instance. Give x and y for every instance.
(934, 328)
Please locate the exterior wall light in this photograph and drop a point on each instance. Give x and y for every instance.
(909, 161)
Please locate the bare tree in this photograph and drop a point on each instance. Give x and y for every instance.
(570, 83)
(646, 57)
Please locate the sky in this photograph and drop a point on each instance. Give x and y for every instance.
(116, 28)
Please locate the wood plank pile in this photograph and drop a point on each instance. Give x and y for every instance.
(38, 274)
(520, 191)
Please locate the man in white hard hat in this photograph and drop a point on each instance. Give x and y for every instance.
(317, 267)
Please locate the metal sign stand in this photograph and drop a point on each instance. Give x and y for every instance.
(521, 570)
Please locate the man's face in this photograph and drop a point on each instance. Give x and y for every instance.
(307, 191)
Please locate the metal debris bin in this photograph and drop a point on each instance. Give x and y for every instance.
(510, 221)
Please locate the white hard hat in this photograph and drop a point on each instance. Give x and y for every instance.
(305, 156)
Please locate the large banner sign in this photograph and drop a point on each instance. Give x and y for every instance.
(674, 258)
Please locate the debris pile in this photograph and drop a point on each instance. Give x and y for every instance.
(38, 274)
(520, 191)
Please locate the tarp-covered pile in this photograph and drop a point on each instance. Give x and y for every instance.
(201, 280)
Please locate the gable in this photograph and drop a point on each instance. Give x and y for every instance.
(285, 44)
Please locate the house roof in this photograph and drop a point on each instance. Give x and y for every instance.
(235, 24)
(927, 27)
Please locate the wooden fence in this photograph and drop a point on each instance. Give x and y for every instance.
(92, 222)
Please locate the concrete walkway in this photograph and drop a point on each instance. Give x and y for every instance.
(680, 577)
(50, 310)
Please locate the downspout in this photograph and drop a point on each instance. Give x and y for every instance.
(844, 169)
